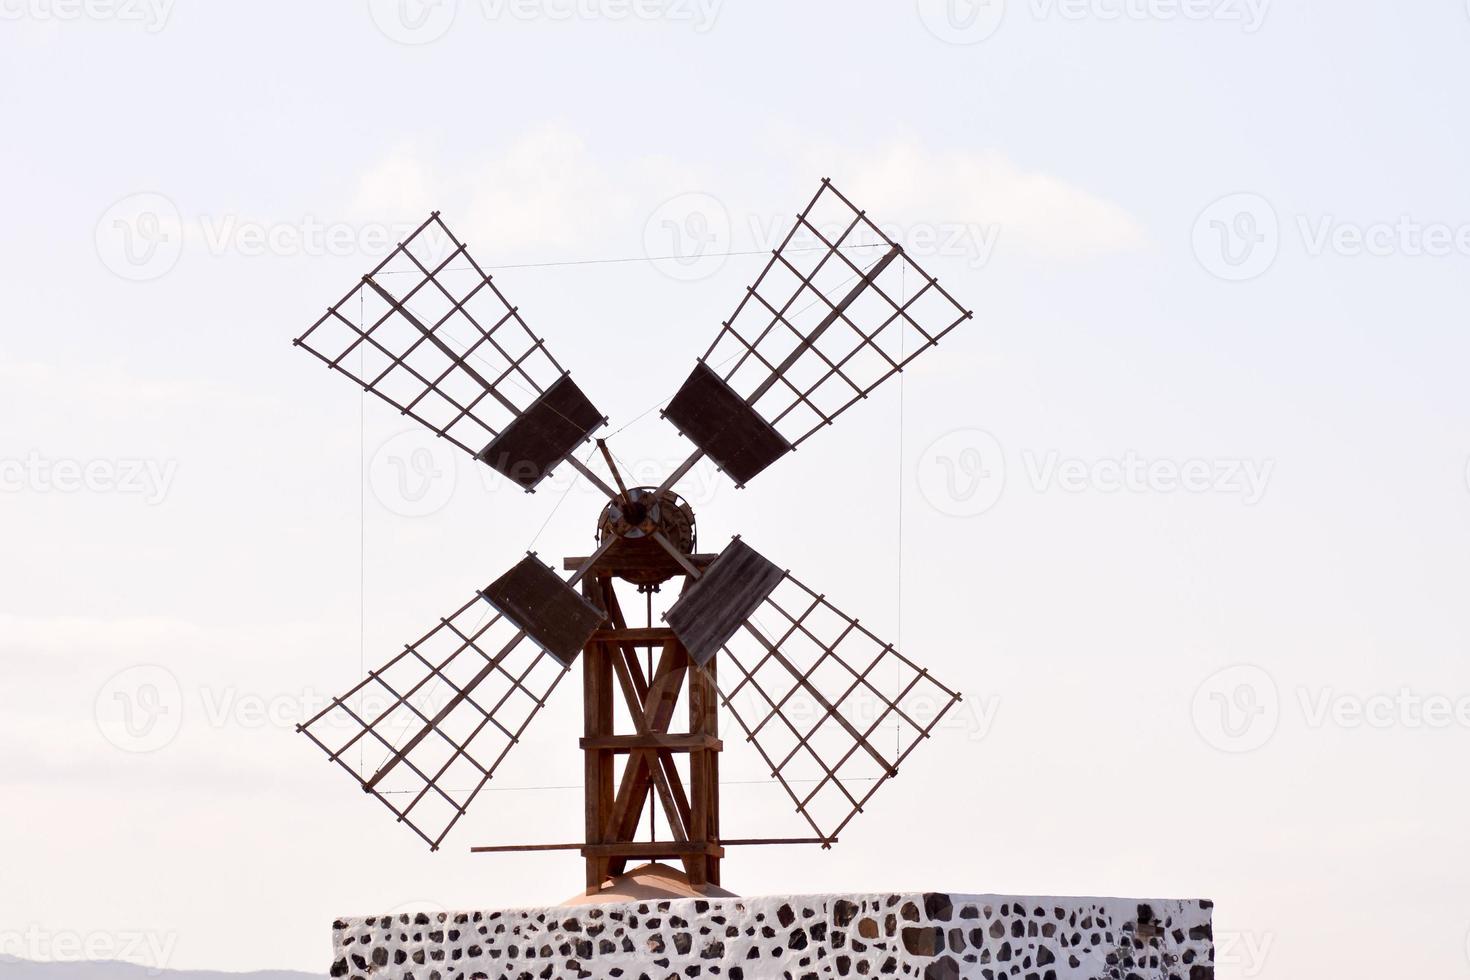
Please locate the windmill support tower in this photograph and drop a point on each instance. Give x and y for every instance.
(838, 309)
(614, 801)
(649, 672)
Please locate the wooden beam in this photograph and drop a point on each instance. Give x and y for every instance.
(810, 339)
(622, 563)
(677, 816)
(654, 636)
(655, 849)
(743, 842)
(658, 711)
(816, 695)
(444, 712)
(654, 740)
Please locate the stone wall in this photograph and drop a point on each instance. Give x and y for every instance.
(929, 935)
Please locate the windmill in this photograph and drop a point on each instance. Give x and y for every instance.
(838, 309)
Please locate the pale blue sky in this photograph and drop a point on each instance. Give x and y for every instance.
(1060, 174)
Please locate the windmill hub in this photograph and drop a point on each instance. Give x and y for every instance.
(634, 522)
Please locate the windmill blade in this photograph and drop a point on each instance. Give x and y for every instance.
(833, 710)
(839, 309)
(440, 717)
(428, 332)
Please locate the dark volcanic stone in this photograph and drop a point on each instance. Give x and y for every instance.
(938, 906)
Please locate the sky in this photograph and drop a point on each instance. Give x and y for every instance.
(1183, 510)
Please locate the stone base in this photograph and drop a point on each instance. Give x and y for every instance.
(928, 935)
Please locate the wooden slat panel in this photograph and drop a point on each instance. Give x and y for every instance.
(718, 420)
(550, 611)
(717, 605)
(544, 435)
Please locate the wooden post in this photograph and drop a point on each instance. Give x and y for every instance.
(597, 762)
(704, 770)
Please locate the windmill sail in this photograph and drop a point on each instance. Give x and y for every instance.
(428, 332)
(839, 309)
(426, 731)
(832, 709)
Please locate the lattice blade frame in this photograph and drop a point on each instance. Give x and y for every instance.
(441, 774)
(859, 709)
(804, 345)
(430, 333)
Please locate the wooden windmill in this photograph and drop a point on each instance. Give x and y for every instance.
(838, 310)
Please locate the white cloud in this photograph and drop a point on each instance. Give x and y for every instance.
(545, 188)
(398, 187)
(548, 188)
(1038, 213)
